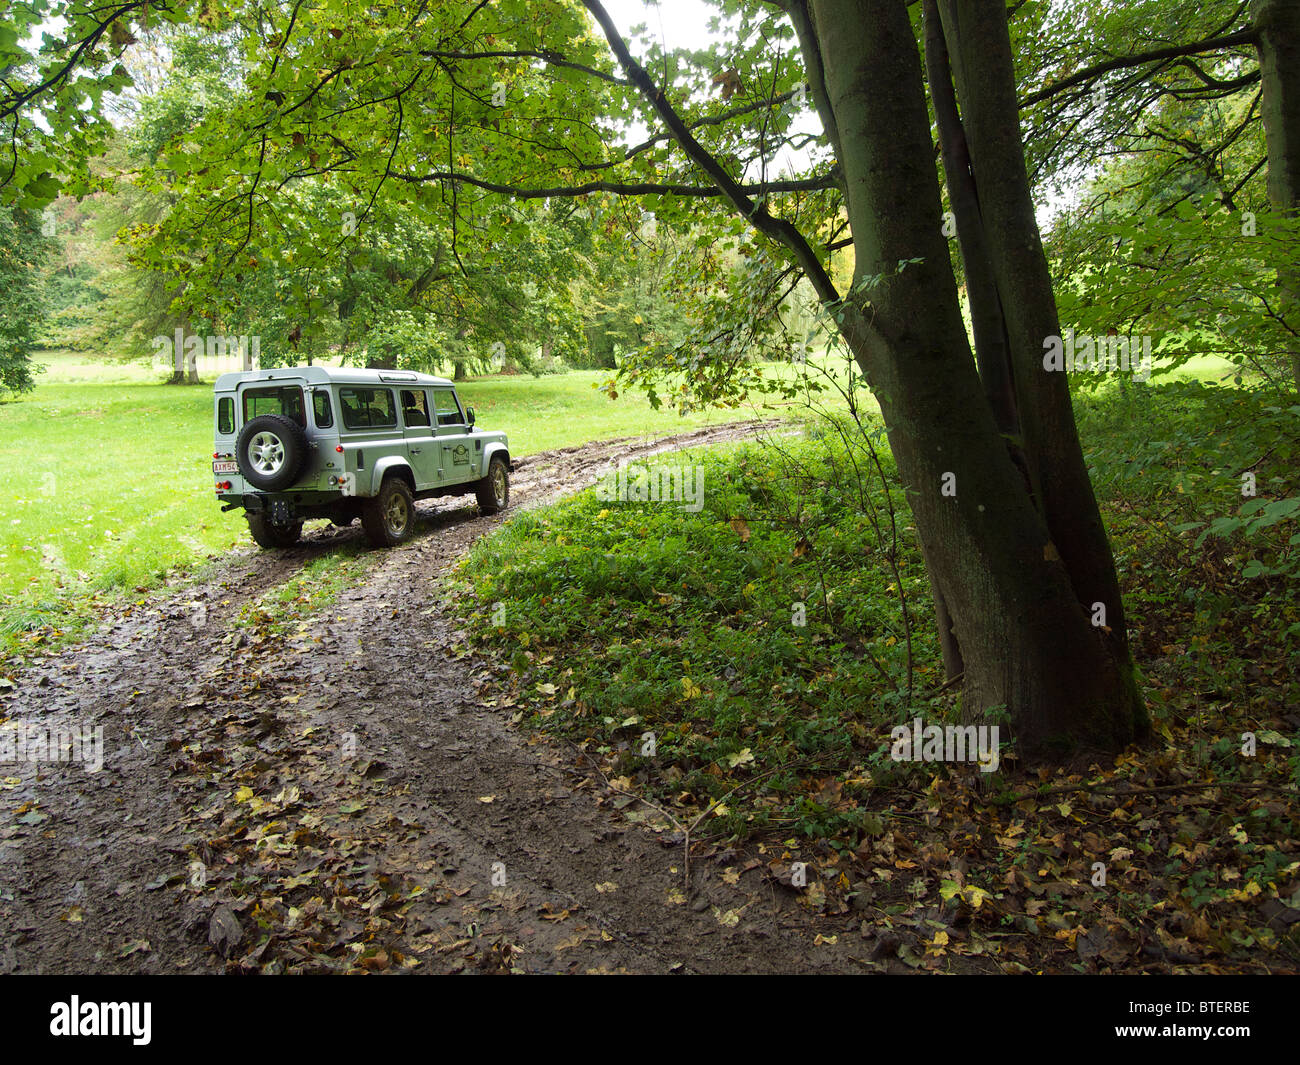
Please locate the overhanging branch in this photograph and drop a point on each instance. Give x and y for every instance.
(548, 56)
(620, 188)
(1247, 36)
(776, 229)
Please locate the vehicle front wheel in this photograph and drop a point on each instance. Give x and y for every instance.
(389, 517)
(268, 534)
(493, 491)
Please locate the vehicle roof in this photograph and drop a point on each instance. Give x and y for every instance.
(325, 375)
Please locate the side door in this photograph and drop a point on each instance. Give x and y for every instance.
(421, 443)
(373, 431)
(458, 462)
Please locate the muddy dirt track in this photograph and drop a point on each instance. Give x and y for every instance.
(343, 797)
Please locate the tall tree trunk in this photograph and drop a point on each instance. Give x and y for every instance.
(1278, 25)
(979, 39)
(987, 322)
(991, 354)
(1026, 640)
(178, 355)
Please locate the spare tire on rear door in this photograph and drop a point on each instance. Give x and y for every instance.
(271, 451)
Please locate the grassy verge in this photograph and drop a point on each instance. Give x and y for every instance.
(290, 607)
(666, 646)
(745, 637)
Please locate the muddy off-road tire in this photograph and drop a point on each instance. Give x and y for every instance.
(389, 517)
(493, 490)
(268, 534)
(271, 451)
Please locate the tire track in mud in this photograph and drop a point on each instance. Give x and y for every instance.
(390, 820)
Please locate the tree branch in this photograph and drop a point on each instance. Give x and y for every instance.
(553, 58)
(620, 188)
(86, 44)
(711, 120)
(776, 229)
(1247, 36)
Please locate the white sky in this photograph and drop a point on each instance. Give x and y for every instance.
(677, 23)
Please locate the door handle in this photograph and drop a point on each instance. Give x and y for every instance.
(415, 451)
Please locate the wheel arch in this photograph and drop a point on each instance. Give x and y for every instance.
(391, 466)
(494, 450)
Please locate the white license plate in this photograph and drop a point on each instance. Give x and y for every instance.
(225, 467)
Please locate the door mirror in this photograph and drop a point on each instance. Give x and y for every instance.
(469, 415)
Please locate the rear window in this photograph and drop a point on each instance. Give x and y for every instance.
(368, 408)
(321, 409)
(415, 407)
(278, 400)
(225, 415)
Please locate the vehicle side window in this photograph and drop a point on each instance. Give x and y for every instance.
(226, 416)
(286, 401)
(447, 408)
(321, 409)
(415, 407)
(368, 408)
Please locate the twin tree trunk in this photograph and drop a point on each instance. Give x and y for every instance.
(995, 474)
(1278, 24)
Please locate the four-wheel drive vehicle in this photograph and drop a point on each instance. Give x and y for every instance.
(320, 442)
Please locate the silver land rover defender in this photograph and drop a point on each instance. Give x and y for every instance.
(321, 442)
